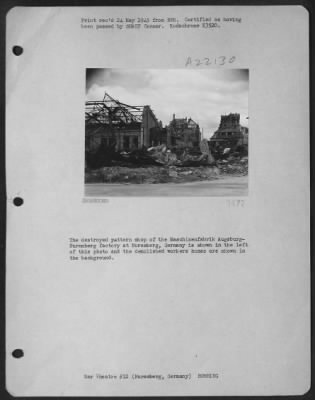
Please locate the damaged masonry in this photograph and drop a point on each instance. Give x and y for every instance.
(128, 144)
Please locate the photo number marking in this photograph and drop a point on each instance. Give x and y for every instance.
(221, 60)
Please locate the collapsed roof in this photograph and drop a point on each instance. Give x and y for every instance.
(112, 112)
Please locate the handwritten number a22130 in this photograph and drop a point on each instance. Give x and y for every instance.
(221, 60)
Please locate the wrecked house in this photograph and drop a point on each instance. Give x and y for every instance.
(230, 134)
(183, 132)
(113, 124)
(158, 136)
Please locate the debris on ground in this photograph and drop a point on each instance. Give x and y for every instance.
(151, 174)
(160, 164)
(234, 165)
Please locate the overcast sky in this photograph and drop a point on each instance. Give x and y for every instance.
(202, 94)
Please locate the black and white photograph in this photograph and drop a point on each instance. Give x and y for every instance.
(168, 132)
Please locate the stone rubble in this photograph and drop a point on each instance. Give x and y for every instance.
(166, 167)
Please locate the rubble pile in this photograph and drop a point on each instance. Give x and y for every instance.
(233, 166)
(151, 174)
(159, 155)
(162, 165)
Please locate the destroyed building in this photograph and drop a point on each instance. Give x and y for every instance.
(111, 123)
(230, 134)
(183, 132)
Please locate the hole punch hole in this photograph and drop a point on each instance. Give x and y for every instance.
(17, 50)
(18, 201)
(18, 353)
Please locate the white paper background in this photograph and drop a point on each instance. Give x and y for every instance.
(244, 317)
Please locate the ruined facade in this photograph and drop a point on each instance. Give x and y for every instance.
(111, 123)
(183, 132)
(230, 134)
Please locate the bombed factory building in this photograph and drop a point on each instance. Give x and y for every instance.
(112, 124)
(230, 134)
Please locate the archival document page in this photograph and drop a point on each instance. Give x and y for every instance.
(157, 165)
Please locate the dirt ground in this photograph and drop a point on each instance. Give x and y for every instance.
(220, 186)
